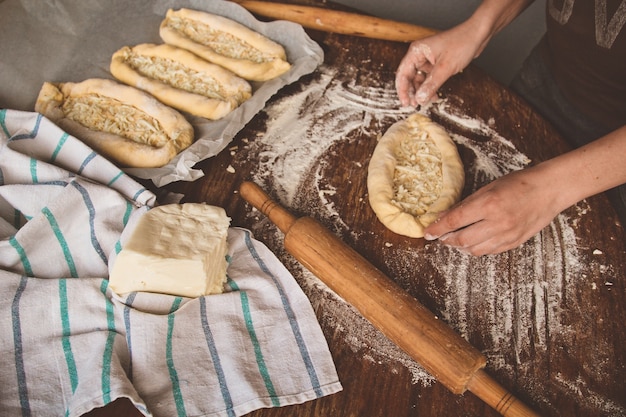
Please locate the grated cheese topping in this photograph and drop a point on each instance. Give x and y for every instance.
(417, 179)
(106, 114)
(179, 76)
(221, 42)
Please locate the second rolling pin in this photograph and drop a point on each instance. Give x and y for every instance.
(336, 21)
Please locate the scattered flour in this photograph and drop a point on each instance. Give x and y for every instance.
(303, 126)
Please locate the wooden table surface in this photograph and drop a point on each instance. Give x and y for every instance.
(549, 316)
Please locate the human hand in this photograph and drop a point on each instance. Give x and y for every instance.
(429, 62)
(500, 216)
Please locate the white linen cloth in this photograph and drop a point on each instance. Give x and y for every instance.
(69, 344)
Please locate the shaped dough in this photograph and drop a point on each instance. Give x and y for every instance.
(122, 123)
(180, 79)
(415, 172)
(225, 42)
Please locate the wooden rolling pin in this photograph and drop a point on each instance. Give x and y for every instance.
(338, 22)
(442, 352)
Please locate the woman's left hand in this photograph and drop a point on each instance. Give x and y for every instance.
(500, 216)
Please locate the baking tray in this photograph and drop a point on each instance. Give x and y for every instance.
(72, 40)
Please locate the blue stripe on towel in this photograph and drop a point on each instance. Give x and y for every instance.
(59, 235)
(86, 162)
(17, 342)
(295, 328)
(108, 349)
(138, 193)
(32, 134)
(59, 146)
(258, 353)
(178, 397)
(61, 183)
(66, 332)
(208, 335)
(92, 215)
(23, 257)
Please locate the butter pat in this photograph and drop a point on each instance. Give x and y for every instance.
(177, 249)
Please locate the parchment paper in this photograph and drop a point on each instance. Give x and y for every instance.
(72, 40)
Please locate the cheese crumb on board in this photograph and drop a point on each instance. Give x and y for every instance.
(177, 249)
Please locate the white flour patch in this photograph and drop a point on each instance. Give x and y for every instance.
(303, 126)
(519, 307)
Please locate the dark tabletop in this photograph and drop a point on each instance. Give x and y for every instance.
(549, 316)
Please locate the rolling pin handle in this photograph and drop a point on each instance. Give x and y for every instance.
(259, 199)
(493, 394)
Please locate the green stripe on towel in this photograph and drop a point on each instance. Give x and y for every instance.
(33, 170)
(65, 338)
(28, 270)
(3, 115)
(59, 235)
(115, 178)
(59, 146)
(260, 360)
(108, 349)
(178, 396)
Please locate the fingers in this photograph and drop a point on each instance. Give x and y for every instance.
(468, 230)
(415, 87)
(476, 240)
(407, 81)
(427, 90)
(413, 72)
(476, 228)
(455, 219)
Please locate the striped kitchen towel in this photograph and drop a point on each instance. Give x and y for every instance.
(69, 344)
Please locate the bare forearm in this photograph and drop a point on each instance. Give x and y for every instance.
(499, 13)
(589, 170)
(491, 16)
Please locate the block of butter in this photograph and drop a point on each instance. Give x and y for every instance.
(177, 249)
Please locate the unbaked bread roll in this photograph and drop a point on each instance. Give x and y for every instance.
(122, 123)
(180, 79)
(225, 42)
(415, 172)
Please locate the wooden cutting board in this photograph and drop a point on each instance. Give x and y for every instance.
(544, 314)
(548, 316)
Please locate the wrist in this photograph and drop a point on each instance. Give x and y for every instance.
(559, 187)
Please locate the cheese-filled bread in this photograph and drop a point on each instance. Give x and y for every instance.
(180, 79)
(225, 42)
(122, 123)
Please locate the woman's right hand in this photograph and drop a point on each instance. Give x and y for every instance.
(429, 62)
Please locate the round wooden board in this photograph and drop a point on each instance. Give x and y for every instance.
(548, 316)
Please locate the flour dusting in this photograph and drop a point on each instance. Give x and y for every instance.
(303, 126)
(521, 292)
